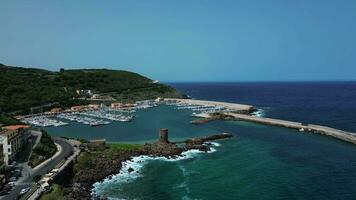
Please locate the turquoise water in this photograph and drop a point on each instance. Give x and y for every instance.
(144, 127)
(260, 162)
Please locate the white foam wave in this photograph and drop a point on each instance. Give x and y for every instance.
(136, 164)
(215, 144)
(259, 113)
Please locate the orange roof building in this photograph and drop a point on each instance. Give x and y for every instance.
(12, 139)
(16, 127)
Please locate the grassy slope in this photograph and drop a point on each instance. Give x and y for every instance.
(56, 193)
(44, 150)
(85, 161)
(21, 88)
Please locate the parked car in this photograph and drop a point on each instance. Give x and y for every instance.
(12, 184)
(24, 191)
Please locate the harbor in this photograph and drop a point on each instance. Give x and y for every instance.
(43, 121)
(200, 108)
(92, 114)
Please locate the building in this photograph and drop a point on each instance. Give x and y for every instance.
(87, 93)
(101, 97)
(78, 108)
(163, 135)
(56, 110)
(116, 105)
(2, 158)
(12, 139)
(94, 106)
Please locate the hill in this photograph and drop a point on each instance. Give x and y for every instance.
(22, 88)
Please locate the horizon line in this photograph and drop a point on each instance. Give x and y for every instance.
(264, 81)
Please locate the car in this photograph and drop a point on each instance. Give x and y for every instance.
(13, 179)
(12, 184)
(24, 191)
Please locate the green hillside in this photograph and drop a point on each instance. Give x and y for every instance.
(22, 88)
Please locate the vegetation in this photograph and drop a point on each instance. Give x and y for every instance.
(86, 159)
(6, 120)
(56, 193)
(23, 88)
(120, 146)
(44, 150)
(83, 162)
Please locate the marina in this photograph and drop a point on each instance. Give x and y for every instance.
(197, 108)
(88, 115)
(43, 121)
(145, 104)
(83, 119)
(108, 114)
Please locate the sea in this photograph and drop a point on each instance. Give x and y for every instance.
(259, 162)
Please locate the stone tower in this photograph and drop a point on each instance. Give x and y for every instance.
(163, 135)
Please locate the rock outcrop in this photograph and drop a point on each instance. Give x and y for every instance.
(106, 165)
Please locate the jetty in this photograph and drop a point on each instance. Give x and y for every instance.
(312, 128)
(233, 107)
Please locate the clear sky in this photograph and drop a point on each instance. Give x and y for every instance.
(185, 40)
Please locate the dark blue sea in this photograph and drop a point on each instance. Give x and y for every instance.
(325, 103)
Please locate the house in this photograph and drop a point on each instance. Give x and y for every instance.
(84, 92)
(56, 110)
(100, 97)
(78, 108)
(94, 106)
(116, 105)
(12, 139)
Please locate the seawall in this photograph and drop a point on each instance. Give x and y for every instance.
(312, 128)
(236, 108)
(322, 130)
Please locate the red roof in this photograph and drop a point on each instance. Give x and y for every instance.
(15, 127)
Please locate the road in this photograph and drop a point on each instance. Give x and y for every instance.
(27, 179)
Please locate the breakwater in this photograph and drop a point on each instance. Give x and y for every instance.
(312, 128)
(236, 108)
(323, 130)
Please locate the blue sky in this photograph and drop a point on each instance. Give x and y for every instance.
(185, 40)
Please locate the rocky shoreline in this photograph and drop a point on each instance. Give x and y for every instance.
(213, 117)
(105, 165)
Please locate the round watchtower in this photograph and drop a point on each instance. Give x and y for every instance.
(163, 135)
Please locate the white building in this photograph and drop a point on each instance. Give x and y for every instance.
(12, 139)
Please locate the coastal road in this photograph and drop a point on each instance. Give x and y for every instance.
(27, 180)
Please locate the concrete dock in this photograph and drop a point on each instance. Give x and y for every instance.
(322, 130)
(241, 112)
(239, 108)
